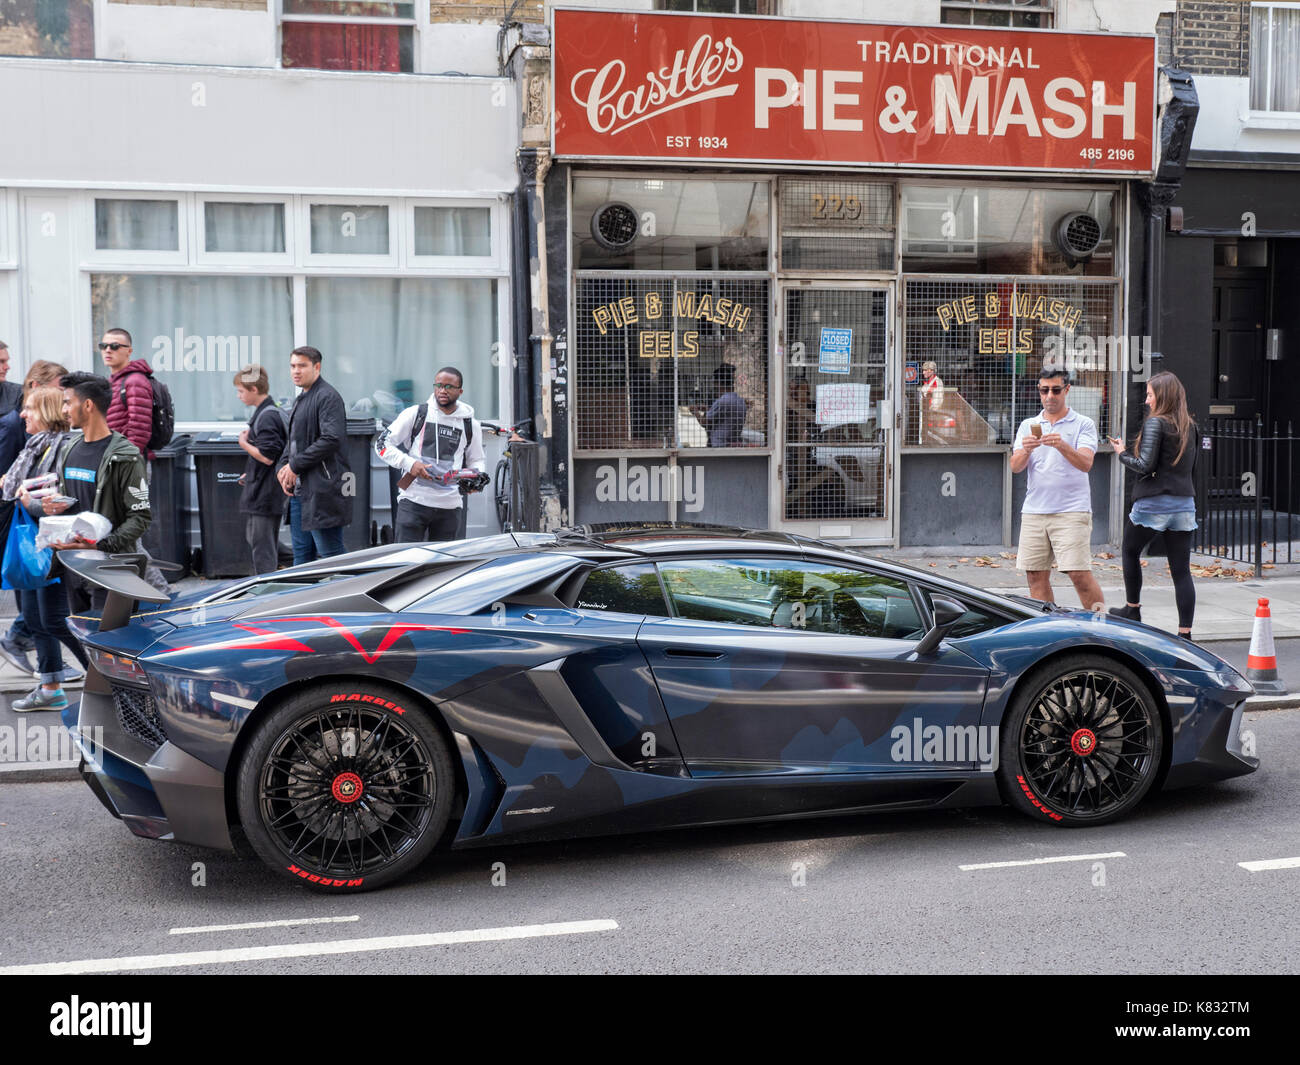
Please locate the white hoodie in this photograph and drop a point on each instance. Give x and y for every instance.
(396, 448)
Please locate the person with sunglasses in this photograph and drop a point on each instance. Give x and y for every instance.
(1056, 447)
(131, 410)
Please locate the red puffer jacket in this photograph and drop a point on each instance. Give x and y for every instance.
(132, 416)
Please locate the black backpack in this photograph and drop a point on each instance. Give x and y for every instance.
(422, 414)
(163, 424)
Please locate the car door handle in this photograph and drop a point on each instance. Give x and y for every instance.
(691, 652)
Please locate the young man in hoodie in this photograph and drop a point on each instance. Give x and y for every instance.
(448, 439)
(131, 410)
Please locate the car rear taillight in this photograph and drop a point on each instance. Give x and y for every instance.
(118, 668)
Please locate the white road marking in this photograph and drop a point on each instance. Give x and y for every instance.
(261, 924)
(1271, 863)
(1044, 861)
(303, 950)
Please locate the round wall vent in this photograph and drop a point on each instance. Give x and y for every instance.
(1077, 235)
(615, 226)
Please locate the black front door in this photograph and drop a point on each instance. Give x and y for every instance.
(1237, 352)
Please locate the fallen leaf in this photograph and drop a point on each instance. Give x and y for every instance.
(963, 560)
(1106, 554)
(1008, 554)
(932, 563)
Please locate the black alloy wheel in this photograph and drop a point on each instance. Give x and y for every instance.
(502, 494)
(345, 787)
(1081, 745)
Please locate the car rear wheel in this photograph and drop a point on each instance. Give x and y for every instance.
(1081, 743)
(345, 787)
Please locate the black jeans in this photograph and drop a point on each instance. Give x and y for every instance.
(1178, 545)
(262, 531)
(46, 612)
(418, 524)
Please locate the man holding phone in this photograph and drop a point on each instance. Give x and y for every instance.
(1057, 448)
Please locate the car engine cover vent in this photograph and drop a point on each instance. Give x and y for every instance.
(615, 226)
(1077, 235)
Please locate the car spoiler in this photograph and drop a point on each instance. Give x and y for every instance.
(121, 576)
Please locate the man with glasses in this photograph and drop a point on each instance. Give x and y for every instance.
(427, 443)
(1057, 446)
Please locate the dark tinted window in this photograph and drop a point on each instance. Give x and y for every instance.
(630, 589)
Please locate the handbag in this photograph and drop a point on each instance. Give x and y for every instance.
(25, 566)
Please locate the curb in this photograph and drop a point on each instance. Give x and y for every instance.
(40, 773)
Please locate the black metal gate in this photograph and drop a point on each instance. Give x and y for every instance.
(1245, 490)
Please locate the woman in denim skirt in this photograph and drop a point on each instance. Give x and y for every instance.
(1162, 458)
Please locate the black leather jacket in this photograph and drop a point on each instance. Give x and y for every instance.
(1157, 472)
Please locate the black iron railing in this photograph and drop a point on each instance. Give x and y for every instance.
(1245, 493)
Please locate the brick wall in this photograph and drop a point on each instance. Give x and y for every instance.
(1212, 37)
(229, 5)
(485, 11)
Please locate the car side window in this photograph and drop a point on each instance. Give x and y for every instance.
(791, 594)
(630, 589)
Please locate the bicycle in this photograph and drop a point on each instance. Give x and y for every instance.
(501, 476)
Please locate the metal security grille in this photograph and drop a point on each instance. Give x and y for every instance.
(837, 225)
(836, 360)
(670, 362)
(989, 340)
(137, 713)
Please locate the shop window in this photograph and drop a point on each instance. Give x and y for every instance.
(348, 35)
(988, 230)
(720, 7)
(137, 225)
(243, 228)
(453, 231)
(657, 224)
(349, 229)
(1275, 57)
(837, 225)
(385, 338)
(54, 29)
(1017, 14)
(671, 362)
(989, 341)
(196, 331)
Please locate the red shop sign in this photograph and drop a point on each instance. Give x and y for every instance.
(704, 88)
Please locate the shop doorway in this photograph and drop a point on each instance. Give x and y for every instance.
(836, 457)
(1240, 312)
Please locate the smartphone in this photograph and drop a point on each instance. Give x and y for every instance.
(1036, 429)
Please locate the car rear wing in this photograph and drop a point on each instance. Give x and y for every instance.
(121, 576)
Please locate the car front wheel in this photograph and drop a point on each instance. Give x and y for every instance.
(1081, 743)
(345, 787)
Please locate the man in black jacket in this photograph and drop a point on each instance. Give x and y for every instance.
(11, 392)
(314, 471)
(261, 502)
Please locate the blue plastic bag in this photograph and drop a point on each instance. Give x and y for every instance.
(25, 566)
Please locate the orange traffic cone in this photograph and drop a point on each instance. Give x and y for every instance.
(1261, 665)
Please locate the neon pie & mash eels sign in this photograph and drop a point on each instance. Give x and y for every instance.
(695, 88)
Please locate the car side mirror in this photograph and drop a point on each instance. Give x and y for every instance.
(947, 612)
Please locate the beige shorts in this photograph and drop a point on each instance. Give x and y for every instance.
(1063, 538)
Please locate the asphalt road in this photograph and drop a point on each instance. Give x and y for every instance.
(882, 894)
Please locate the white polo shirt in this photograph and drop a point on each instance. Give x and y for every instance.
(1056, 487)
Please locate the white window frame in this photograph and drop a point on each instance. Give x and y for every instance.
(420, 16)
(203, 257)
(361, 262)
(109, 257)
(8, 225)
(490, 264)
(1047, 7)
(1289, 117)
